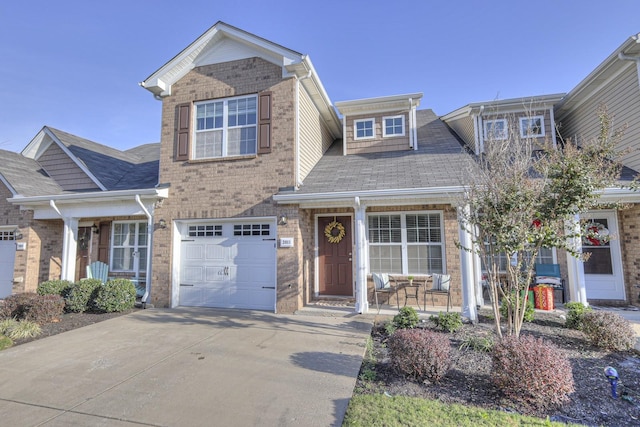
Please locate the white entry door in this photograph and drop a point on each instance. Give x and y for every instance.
(603, 270)
(7, 260)
(234, 269)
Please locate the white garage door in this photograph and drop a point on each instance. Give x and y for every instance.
(230, 265)
(7, 260)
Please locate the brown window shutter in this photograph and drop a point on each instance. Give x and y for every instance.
(264, 122)
(183, 129)
(103, 242)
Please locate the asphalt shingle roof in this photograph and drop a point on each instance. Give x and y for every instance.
(25, 175)
(439, 162)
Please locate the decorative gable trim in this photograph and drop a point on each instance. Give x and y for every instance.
(43, 140)
(220, 43)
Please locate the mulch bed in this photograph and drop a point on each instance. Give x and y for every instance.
(469, 380)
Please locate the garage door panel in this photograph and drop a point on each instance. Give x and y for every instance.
(229, 273)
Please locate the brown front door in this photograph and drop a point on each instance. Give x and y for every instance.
(334, 254)
(82, 252)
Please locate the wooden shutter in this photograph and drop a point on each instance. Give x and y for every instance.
(103, 242)
(183, 129)
(264, 122)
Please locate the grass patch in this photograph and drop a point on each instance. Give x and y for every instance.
(5, 342)
(380, 410)
(16, 330)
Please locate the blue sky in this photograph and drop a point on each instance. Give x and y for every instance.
(75, 66)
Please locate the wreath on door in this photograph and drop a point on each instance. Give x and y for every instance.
(334, 231)
(596, 234)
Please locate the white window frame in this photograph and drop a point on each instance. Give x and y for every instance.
(524, 128)
(136, 246)
(355, 128)
(225, 129)
(384, 126)
(404, 244)
(489, 134)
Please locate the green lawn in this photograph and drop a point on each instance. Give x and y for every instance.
(381, 410)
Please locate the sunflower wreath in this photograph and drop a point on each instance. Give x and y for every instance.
(334, 231)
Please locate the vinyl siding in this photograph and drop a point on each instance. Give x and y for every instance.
(621, 96)
(315, 137)
(464, 128)
(64, 170)
(378, 143)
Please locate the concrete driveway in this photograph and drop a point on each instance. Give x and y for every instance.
(187, 367)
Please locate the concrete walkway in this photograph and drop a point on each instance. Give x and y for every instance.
(187, 367)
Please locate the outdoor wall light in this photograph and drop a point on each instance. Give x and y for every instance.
(95, 229)
(162, 223)
(17, 235)
(283, 220)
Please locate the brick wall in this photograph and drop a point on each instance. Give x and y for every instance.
(629, 223)
(227, 188)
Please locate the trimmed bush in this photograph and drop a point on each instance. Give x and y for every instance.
(608, 330)
(116, 295)
(575, 314)
(531, 372)
(407, 318)
(81, 295)
(54, 287)
(33, 307)
(420, 354)
(449, 322)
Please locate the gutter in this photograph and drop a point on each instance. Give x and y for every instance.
(624, 57)
(398, 193)
(149, 251)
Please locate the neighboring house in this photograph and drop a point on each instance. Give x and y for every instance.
(68, 201)
(259, 196)
(613, 271)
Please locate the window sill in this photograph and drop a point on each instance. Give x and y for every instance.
(223, 159)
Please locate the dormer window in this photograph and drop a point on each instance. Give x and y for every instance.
(531, 127)
(393, 126)
(364, 129)
(495, 129)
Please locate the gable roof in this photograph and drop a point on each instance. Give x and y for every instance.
(107, 167)
(24, 176)
(222, 43)
(434, 170)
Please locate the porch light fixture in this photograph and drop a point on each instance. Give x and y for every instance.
(283, 220)
(17, 235)
(95, 229)
(162, 223)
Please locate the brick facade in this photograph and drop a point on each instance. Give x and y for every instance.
(239, 187)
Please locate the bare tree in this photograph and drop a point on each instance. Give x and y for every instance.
(522, 195)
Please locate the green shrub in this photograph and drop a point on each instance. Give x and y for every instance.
(575, 314)
(449, 322)
(24, 329)
(54, 287)
(608, 330)
(116, 295)
(477, 343)
(407, 318)
(420, 354)
(31, 306)
(5, 342)
(531, 372)
(81, 295)
(529, 311)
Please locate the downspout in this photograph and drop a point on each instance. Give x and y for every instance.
(553, 125)
(624, 57)
(344, 135)
(412, 142)
(476, 133)
(298, 80)
(481, 130)
(149, 250)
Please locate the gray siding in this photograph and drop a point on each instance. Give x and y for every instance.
(464, 128)
(378, 143)
(315, 137)
(621, 96)
(64, 171)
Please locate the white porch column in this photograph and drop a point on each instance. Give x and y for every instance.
(577, 286)
(69, 247)
(360, 234)
(469, 309)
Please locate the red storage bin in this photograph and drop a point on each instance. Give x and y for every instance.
(543, 297)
